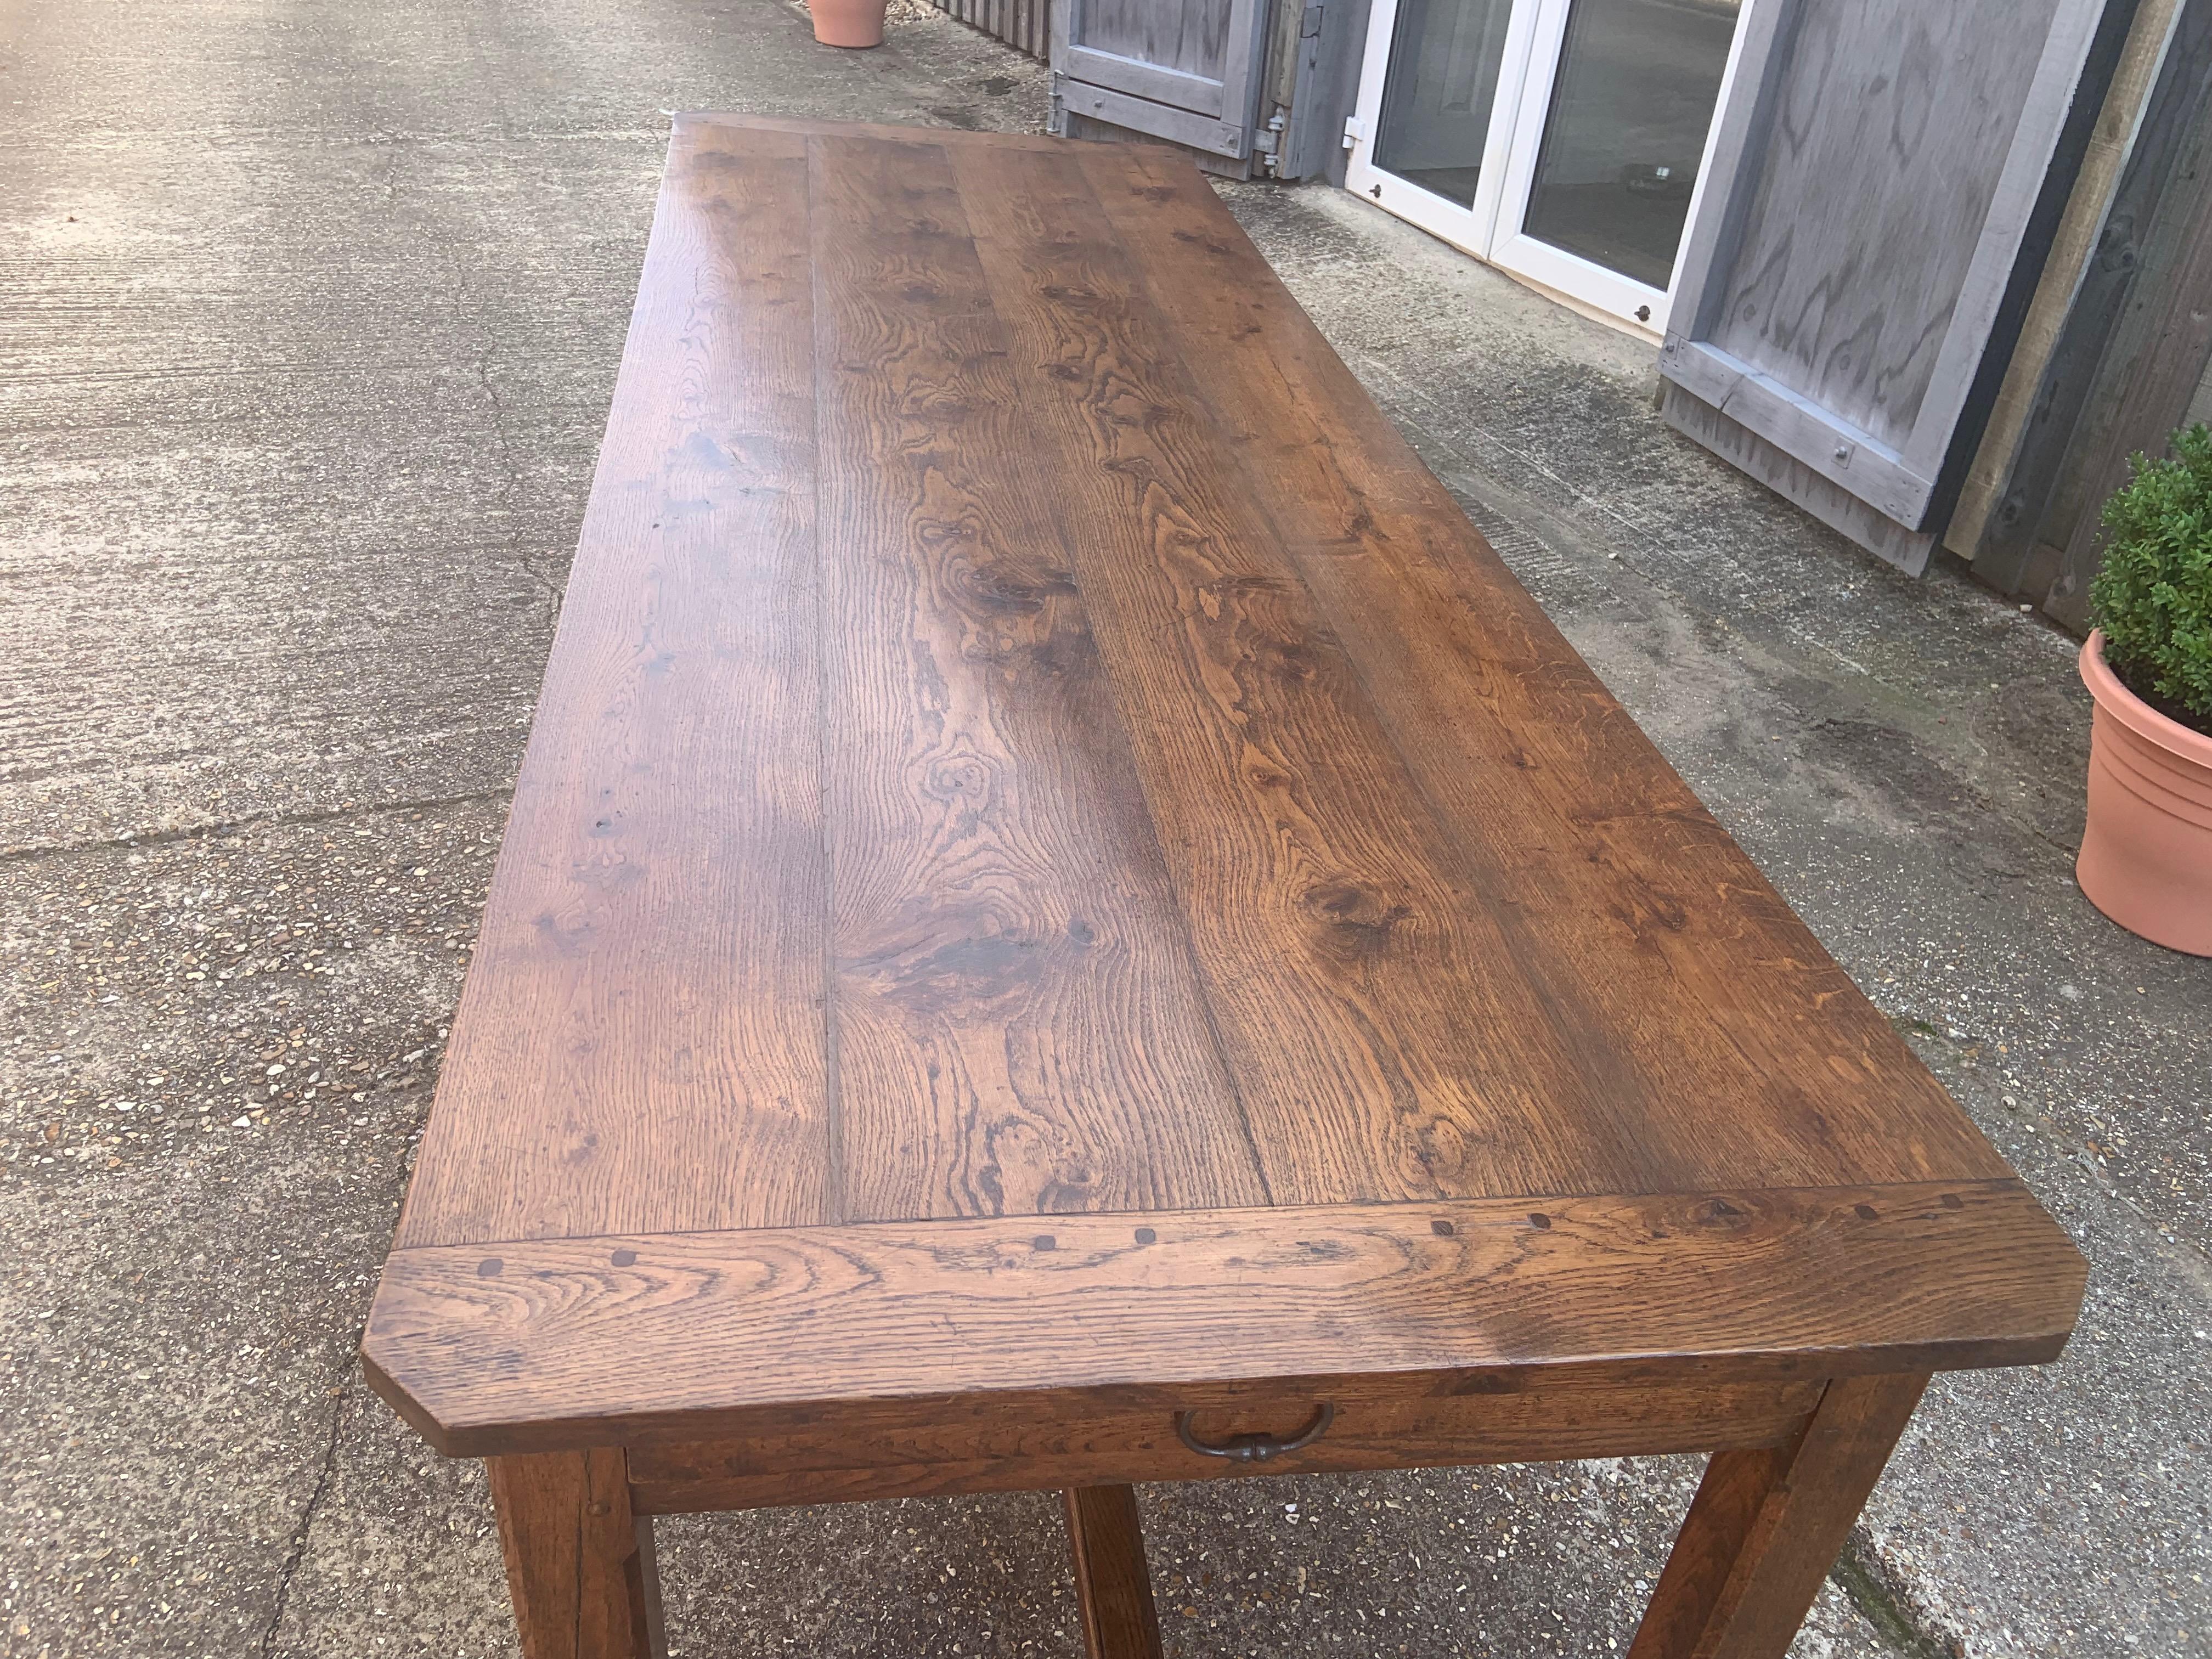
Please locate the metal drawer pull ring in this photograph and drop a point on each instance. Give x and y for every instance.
(1256, 1448)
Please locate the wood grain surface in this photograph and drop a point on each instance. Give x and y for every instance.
(1039, 1442)
(1623, 903)
(640, 1042)
(1002, 924)
(557, 1343)
(1052, 859)
(580, 1561)
(1113, 1588)
(1767, 1526)
(1056, 882)
(1893, 126)
(1026, 735)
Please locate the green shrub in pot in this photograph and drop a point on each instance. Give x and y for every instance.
(2146, 857)
(2152, 597)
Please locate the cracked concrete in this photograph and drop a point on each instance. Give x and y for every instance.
(282, 1598)
(312, 315)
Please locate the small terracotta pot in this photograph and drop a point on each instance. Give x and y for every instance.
(2146, 857)
(847, 22)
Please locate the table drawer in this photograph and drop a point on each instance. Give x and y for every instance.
(1024, 1445)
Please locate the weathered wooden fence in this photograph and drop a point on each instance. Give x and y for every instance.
(1024, 25)
(2129, 361)
(1888, 176)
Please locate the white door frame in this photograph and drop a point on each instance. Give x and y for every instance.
(1491, 230)
(1468, 228)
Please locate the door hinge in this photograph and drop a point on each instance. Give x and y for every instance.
(1269, 146)
(1355, 132)
(1310, 23)
(1056, 113)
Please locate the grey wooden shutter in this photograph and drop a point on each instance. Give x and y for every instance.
(1882, 170)
(1184, 69)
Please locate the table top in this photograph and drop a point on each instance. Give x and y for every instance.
(1043, 812)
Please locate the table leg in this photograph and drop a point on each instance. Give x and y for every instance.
(579, 1565)
(1767, 1525)
(1111, 1583)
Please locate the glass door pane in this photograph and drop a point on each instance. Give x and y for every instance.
(1444, 58)
(1635, 91)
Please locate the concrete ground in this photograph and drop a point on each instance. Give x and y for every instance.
(309, 312)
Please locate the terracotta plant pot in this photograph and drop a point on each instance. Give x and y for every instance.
(847, 22)
(2146, 857)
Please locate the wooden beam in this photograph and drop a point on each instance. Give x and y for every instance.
(579, 1564)
(2081, 228)
(1767, 1526)
(1032, 1443)
(1111, 1581)
(556, 1343)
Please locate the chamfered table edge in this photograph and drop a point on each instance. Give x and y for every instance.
(553, 1344)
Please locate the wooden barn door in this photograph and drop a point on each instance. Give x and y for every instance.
(1184, 69)
(1886, 178)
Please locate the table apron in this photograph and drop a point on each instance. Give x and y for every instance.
(1009, 1448)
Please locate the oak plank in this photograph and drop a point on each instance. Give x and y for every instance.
(627, 1340)
(1767, 1526)
(1383, 1044)
(1037, 1442)
(1113, 1587)
(641, 1041)
(1017, 1020)
(1743, 1049)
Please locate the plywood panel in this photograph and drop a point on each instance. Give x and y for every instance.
(1885, 182)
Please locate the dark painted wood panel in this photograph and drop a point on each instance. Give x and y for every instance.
(2098, 359)
(1021, 1446)
(1018, 1018)
(714, 1334)
(640, 1043)
(1686, 985)
(1384, 1040)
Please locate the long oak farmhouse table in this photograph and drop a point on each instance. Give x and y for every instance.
(1066, 922)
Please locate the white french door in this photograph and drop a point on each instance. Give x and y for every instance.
(1564, 140)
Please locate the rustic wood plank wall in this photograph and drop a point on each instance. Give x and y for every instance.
(1024, 25)
(2132, 354)
(2066, 276)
